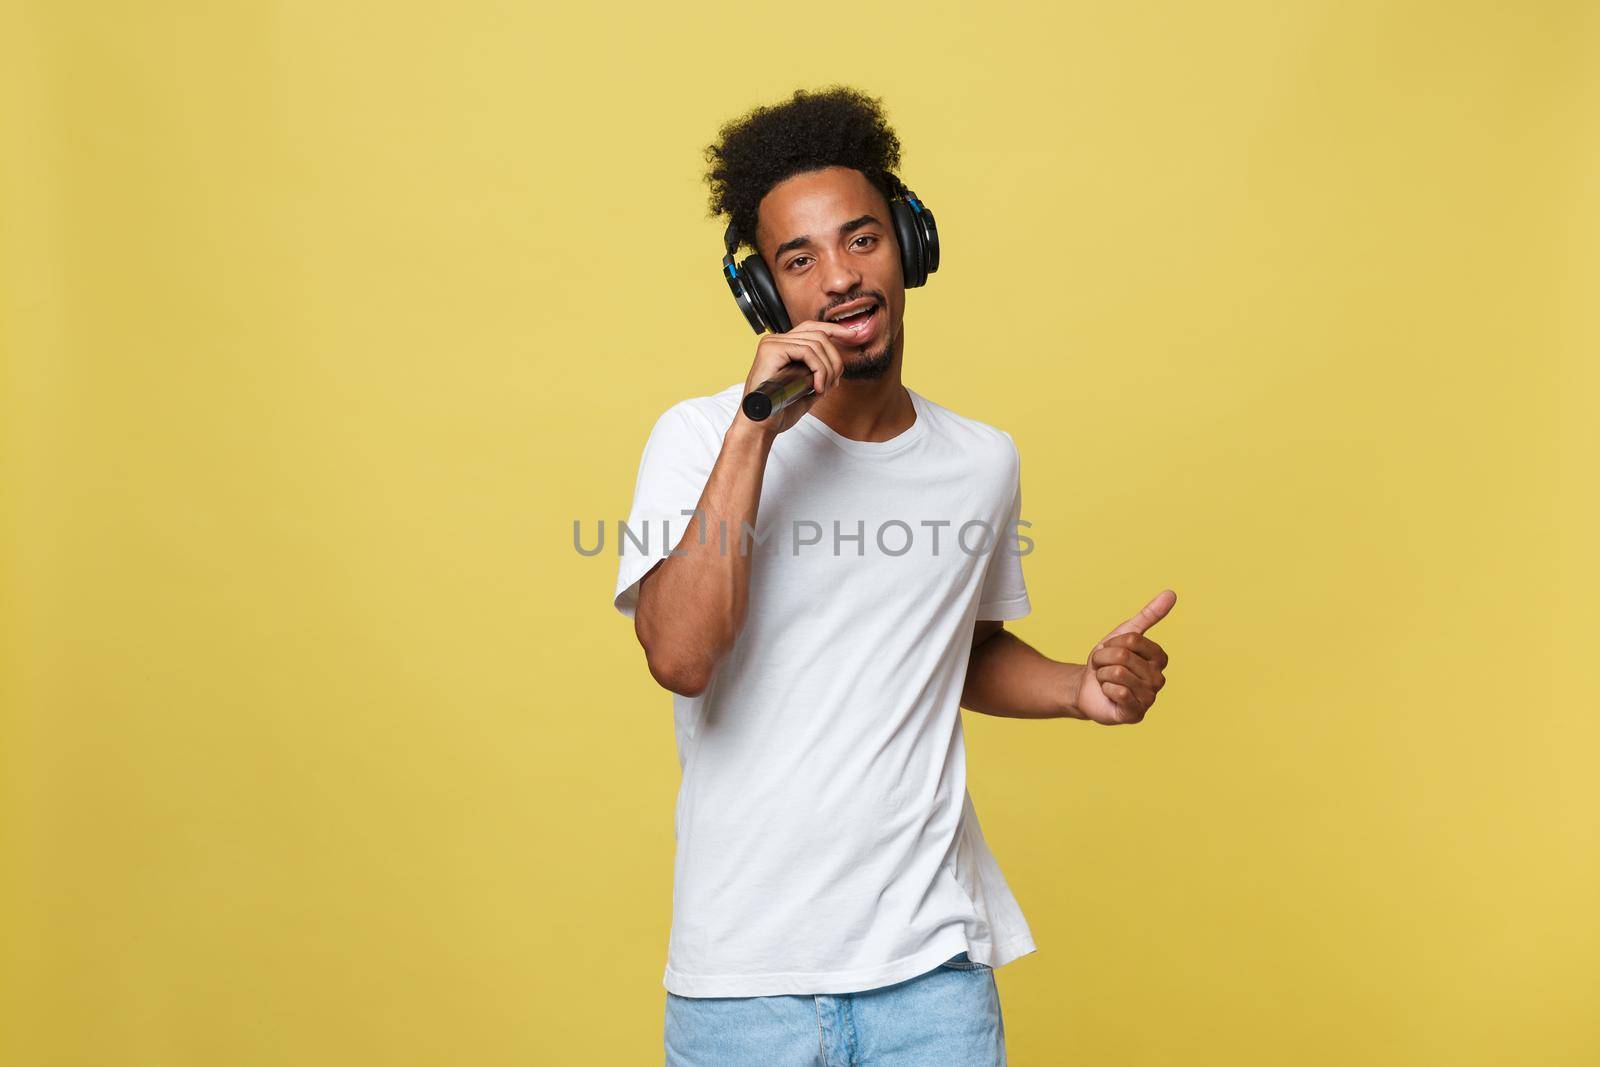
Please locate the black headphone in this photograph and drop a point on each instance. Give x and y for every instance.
(757, 294)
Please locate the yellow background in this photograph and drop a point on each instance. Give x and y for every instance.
(323, 322)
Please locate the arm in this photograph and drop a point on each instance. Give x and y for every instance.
(1125, 671)
(692, 604)
(1006, 676)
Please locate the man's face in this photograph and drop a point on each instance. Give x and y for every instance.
(829, 241)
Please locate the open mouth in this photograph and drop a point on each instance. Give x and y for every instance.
(858, 317)
(860, 322)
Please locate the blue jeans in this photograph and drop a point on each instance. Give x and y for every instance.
(949, 1016)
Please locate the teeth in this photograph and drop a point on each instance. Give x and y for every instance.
(858, 311)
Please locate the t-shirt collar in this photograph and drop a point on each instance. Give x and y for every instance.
(871, 449)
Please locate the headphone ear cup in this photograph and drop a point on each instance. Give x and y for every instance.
(742, 295)
(910, 238)
(930, 243)
(764, 292)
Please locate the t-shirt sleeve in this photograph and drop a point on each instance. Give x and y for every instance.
(673, 470)
(1005, 595)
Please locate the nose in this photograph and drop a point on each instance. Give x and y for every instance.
(840, 275)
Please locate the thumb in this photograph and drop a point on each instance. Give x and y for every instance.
(1148, 616)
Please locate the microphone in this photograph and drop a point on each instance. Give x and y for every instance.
(792, 383)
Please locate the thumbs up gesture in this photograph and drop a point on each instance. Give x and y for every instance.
(1123, 674)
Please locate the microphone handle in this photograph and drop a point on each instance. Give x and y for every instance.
(792, 383)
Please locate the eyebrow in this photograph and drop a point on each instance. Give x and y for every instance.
(849, 227)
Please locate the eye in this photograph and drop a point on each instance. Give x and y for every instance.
(798, 261)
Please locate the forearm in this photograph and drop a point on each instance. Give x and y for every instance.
(692, 604)
(1006, 676)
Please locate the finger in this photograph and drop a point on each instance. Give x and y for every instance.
(1114, 651)
(1124, 698)
(1155, 611)
(1141, 669)
(840, 335)
(1127, 679)
(831, 351)
(1141, 645)
(821, 376)
(809, 351)
(835, 358)
(832, 329)
(1148, 615)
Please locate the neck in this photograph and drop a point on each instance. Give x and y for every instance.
(870, 409)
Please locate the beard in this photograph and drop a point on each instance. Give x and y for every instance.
(871, 364)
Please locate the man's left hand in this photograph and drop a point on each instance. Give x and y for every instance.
(1124, 672)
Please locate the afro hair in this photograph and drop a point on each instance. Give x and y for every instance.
(837, 126)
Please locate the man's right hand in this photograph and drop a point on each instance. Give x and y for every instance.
(812, 343)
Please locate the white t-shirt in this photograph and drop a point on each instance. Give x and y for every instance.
(826, 842)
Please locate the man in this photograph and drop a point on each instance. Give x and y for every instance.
(825, 602)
